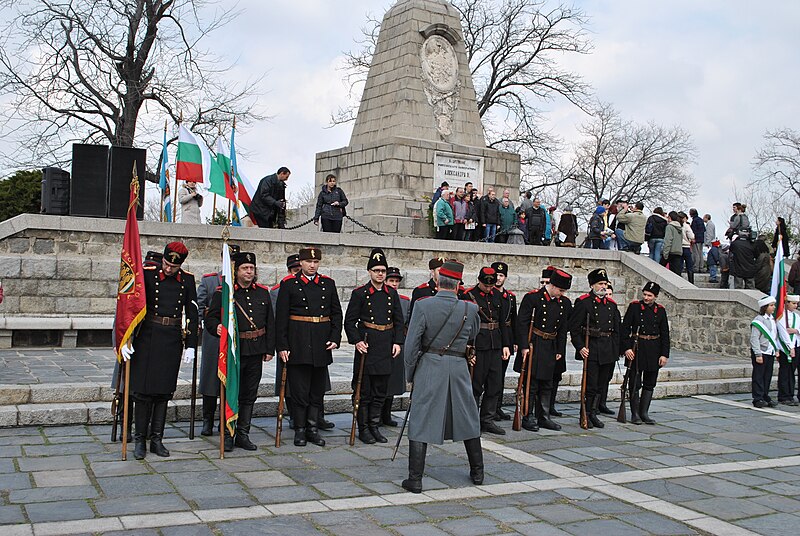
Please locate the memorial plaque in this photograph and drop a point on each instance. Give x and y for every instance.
(458, 170)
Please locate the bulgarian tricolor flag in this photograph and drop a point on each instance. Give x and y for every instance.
(228, 359)
(194, 162)
(223, 185)
(779, 283)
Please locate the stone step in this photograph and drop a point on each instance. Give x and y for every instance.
(179, 410)
(64, 393)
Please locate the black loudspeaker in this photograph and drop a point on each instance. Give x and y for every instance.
(55, 191)
(119, 180)
(89, 184)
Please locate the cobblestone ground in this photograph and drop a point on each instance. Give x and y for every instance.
(712, 465)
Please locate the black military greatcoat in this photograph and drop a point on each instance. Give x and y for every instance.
(253, 313)
(653, 334)
(550, 319)
(368, 308)
(159, 343)
(308, 297)
(604, 328)
(494, 334)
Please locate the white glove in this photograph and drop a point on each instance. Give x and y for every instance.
(188, 355)
(127, 351)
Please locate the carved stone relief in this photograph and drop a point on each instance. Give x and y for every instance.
(441, 84)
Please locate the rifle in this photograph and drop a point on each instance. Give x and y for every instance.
(281, 402)
(516, 424)
(357, 395)
(584, 415)
(526, 407)
(115, 406)
(193, 405)
(621, 415)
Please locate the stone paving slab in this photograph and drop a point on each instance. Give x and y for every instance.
(665, 479)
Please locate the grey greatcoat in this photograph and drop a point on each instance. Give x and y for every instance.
(209, 381)
(443, 406)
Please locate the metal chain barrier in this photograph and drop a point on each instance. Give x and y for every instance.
(364, 226)
(293, 227)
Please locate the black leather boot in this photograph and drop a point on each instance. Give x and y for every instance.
(386, 412)
(635, 419)
(322, 423)
(157, 429)
(592, 409)
(475, 457)
(141, 414)
(644, 406)
(312, 431)
(209, 409)
(416, 466)
(602, 405)
(227, 440)
(363, 432)
(299, 420)
(552, 410)
(242, 438)
(542, 415)
(374, 421)
(530, 423)
(131, 411)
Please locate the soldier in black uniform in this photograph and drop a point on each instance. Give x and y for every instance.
(397, 380)
(561, 364)
(426, 290)
(492, 346)
(542, 322)
(602, 406)
(256, 339)
(308, 328)
(292, 267)
(209, 381)
(646, 322)
(158, 345)
(604, 338)
(374, 324)
(501, 269)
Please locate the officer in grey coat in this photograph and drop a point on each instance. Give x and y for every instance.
(209, 381)
(443, 406)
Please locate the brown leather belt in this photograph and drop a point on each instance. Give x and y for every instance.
(647, 337)
(310, 319)
(598, 333)
(545, 335)
(491, 326)
(248, 335)
(163, 320)
(378, 327)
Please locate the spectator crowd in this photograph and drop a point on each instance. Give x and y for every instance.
(681, 242)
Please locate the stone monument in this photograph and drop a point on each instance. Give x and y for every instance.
(417, 124)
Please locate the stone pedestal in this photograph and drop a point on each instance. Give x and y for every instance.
(417, 125)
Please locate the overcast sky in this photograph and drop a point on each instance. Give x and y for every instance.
(720, 70)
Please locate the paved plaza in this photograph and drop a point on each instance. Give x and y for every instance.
(712, 465)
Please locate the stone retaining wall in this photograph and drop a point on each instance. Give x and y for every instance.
(54, 266)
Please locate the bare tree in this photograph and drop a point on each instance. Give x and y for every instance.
(778, 162)
(618, 158)
(514, 48)
(111, 71)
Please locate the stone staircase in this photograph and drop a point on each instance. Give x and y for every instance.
(89, 403)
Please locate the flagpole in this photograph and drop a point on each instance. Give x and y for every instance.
(229, 211)
(125, 410)
(214, 208)
(163, 163)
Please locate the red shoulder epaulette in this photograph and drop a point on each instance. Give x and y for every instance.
(276, 287)
(325, 277)
(287, 278)
(212, 274)
(259, 285)
(511, 293)
(534, 291)
(359, 288)
(587, 295)
(424, 285)
(403, 297)
(467, 291)
(634, 302)
(612, 300)
(149, 267)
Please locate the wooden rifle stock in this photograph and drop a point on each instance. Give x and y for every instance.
(281, 402)
(357, 395)
(584, 414)
(115, 407)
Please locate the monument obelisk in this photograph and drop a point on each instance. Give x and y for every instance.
(417, 124)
